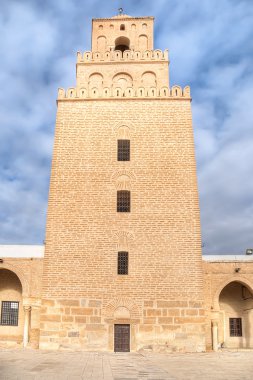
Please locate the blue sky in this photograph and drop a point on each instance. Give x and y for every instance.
(211, 49)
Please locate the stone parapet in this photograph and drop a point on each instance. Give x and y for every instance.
(126, 56)
(140, 92)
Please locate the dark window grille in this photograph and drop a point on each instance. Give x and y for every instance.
(9, 314)
(235, 326)
(123, 201)
(122, 262)
(123, 150)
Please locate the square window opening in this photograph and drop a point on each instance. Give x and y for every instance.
(123, 150)
(123, 263)
(123, 201)
(9, 313)
(235, 326)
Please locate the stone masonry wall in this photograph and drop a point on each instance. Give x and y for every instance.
(161, 233)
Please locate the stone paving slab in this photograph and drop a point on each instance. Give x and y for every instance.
(80, 365)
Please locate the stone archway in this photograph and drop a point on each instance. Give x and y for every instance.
(122, 311)
(19, 273)
(11, 304)
(234, 306)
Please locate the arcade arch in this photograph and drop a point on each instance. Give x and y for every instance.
(11, 307)
(234, 320)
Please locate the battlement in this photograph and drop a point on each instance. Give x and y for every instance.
(176, 92)
(126, 56)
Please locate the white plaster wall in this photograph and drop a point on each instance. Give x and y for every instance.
(22, 251)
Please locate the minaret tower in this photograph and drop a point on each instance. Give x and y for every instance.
(122, 267)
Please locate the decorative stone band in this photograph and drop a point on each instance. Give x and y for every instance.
(127, 55)
(83, 93)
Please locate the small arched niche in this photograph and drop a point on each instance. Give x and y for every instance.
(122, 80)
(148, 79)
(122, 44)
(101, 44)
(96, 79)
(143, 42)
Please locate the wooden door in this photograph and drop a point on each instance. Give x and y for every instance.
(121, 338)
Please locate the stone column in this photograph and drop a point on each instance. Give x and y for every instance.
(34, 326)
(27, 310)
(215, 335)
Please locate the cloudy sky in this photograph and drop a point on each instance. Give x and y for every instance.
(211, 49)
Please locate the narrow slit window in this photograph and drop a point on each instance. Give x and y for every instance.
(122, 262)
(235, 326)
(9, 314)
(123, 201)
(123, 150)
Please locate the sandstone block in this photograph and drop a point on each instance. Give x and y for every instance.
(81, 311)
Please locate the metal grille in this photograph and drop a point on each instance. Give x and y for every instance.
(235, 326)
(123, 150)
(121, 338)
(122, 262)
(123, 201)
(9, 314)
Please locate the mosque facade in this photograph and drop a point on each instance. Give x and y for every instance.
(121, 268)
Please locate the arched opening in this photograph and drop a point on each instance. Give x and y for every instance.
(236, 316)
(101, 44)
(122, 44)
(122, 80)
(122, 27)
(143, 42)
(11, 308)
(148, 79)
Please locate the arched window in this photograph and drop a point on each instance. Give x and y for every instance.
(122, 44)
(122, 27)
(123, 201)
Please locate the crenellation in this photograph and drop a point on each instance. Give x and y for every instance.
(175, 92)
(89, 57)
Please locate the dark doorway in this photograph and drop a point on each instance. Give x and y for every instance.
(121, 338)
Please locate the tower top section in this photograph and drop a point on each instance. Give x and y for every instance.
(122, 32)
(122, 63)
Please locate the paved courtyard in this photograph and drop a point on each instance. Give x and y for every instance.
(28, 365)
